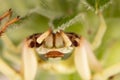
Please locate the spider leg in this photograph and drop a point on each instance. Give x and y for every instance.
(85, 59)
(81, 62)
(9, 45)
(8, 71)
(100, 33)
(108, 73)
(10, 51)
(29, 62)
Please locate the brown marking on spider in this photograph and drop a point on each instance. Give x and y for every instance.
(55, 39)
(72, 37)
(54, 54)
(32, 43)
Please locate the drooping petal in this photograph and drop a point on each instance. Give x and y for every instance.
(29, 62)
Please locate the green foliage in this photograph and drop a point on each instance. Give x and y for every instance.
(97, 4)
(69, 6)
(64, 19)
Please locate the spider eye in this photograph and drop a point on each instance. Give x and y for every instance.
(75, 43)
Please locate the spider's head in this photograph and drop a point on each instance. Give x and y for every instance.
(52, 46)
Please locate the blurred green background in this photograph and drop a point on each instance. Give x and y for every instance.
(36, 15)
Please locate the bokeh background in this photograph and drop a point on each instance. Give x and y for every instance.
(36, 15)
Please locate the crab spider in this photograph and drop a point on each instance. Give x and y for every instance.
(48, 47)
(58, 46)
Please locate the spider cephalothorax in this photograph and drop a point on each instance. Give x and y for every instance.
(54, 45)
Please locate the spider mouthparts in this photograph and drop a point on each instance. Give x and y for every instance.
(54, 54)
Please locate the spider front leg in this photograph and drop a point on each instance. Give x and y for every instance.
(108, 73)
(85, 59)
(84, 54)
(29, 64)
